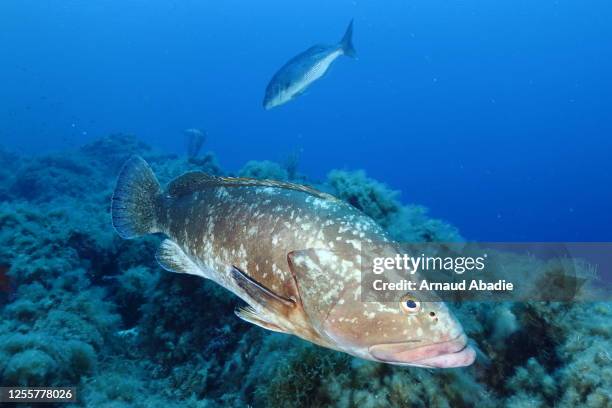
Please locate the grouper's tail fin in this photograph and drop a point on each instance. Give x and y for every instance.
(347, 42)
(135, 200)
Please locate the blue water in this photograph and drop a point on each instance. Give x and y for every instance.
(495, 115)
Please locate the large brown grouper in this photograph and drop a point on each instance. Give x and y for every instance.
(293, 254)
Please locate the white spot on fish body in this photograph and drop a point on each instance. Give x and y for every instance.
(320, 203)
(276, 270)
(326, 258)
(221, 193)
(266, 190)
(355, 243)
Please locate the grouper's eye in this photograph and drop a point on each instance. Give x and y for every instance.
(409, 304)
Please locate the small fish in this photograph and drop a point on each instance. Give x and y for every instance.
(304, 69)
(293, 254)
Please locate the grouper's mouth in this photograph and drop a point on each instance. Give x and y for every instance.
(448, 354)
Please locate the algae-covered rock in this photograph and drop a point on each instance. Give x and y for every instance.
(29, 367)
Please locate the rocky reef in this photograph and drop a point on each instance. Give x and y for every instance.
(85, 308)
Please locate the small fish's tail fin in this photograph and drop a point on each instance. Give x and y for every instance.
(347, 42)
(135, 200)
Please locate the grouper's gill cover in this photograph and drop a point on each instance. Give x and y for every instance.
(293, 254)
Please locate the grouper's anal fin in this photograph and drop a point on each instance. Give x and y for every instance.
(171, 257)
(264, 299)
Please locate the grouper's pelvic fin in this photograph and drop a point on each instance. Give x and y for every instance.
(250, 315)
(135, 199)
(347, 42)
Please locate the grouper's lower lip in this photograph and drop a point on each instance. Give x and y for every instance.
(452, 353)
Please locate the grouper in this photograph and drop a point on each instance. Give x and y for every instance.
(293, 255)
(293, 78)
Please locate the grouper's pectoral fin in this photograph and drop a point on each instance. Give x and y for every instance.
(171, 257)
(264, 298)
(260, 294)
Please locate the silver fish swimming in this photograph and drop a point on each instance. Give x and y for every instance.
(293, 254)
(302, 70)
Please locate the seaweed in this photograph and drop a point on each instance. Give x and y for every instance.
(264, 170)
(406, 223)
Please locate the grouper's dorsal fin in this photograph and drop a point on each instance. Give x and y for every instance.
(196, 180)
